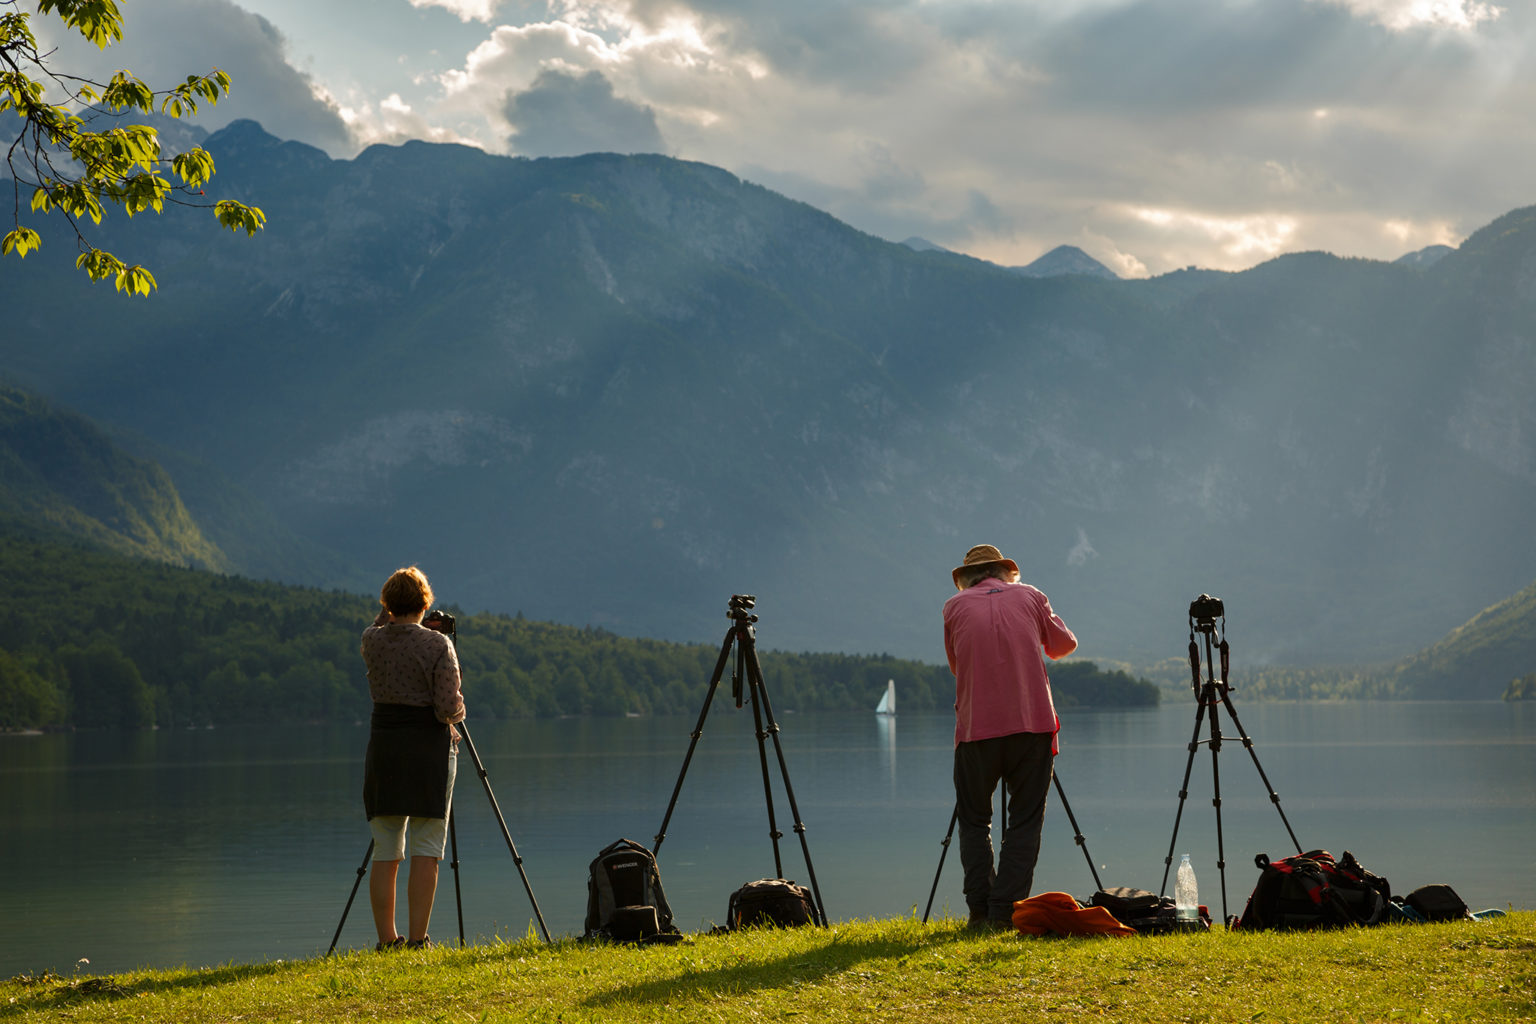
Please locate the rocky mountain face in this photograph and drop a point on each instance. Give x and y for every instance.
(615, 390)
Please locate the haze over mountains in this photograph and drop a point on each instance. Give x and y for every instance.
(615, 390)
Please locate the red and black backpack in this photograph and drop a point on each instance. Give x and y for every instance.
(1312, 890)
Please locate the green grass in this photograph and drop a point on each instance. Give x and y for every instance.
(861, 971)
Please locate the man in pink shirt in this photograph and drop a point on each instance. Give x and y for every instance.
(995, 629)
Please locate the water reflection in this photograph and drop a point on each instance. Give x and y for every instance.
(885, 729)
(201, 847)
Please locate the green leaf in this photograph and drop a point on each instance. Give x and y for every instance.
(97, 20)
(194, 167)
(99, 265)
(136, 281)
(235, 215)
(20, 241)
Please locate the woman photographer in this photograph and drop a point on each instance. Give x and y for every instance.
(413, 678)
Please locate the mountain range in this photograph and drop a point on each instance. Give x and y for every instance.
(614, 390)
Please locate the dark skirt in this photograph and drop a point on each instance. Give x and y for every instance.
(406, 768)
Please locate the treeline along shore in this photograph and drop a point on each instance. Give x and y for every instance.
(90, 639)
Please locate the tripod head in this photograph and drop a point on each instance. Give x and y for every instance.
(739, 609)
(739, 612)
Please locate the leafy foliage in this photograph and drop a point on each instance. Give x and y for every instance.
(94, 639)
(78, 170)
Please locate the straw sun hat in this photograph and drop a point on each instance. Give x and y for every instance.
(983, 554)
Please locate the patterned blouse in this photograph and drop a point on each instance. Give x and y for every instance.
(410, 664)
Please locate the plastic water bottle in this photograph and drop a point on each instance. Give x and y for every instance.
(1186, 897)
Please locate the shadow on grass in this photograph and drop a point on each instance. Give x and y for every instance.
(54, 992)
(797, 968)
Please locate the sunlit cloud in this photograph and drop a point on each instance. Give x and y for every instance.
(392, 121)
(467, 10)
(1360, 127)
(1257, 236)
(1401, 15)
(1416, 235)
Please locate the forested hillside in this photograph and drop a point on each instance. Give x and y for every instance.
(58, 470)
(88, 638)
(1480, 658)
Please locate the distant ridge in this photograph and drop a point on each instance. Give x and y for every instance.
(1059, 262)
(1425, 257)
(1064, 260)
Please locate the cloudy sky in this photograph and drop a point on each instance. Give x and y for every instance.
(1153, 134)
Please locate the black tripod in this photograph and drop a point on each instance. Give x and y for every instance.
(746, 670)
(1203, 613)
(443, 623)
(1077, 836)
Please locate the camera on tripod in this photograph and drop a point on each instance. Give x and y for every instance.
(1204, 611)
(440, 621)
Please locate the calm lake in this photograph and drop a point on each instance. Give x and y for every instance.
(204, 847)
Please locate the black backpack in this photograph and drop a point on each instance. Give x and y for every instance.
(1312, 890)
(770, 901)
(624, 898)
(1147, 912)
(1437, 903)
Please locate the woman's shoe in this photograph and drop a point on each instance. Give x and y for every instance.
(425, 942)
(396, 943)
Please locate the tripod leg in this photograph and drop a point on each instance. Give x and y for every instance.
(362, 869)
(693, 742)
(505, 834)
(1274, 797)
(1077, 833)
(762, 756)
(760, 693)
(458, 896)
(942, 854)
(1194, 745)
(1221, 852)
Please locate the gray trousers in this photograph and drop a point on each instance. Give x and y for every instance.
(1023, 763)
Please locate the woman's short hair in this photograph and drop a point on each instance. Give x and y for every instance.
(406, 592)
(970, 575)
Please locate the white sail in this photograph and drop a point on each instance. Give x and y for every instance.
(887, 705)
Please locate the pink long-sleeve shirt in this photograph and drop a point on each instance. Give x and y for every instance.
(994, 633)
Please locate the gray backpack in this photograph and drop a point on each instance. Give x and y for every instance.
(624, 898)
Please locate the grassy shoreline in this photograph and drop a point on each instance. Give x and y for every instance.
(894, 970)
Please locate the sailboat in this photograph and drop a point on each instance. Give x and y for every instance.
(887, 705)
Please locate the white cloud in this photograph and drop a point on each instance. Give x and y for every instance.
(1401, 15)
(1082, 551)
(391, 121)
(1152, 133)
(1246, 239)
(467, 10)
